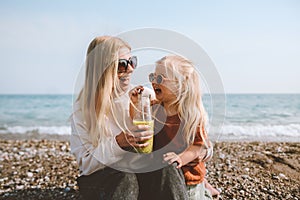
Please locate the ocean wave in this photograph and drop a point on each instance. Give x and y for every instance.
(258, 130)
(60, 130)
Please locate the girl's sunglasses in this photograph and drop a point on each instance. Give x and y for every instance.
(159, 78)
(123, 64)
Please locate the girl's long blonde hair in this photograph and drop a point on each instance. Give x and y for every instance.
(188, 95)
(101, 84)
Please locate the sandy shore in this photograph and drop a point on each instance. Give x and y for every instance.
(44, 169)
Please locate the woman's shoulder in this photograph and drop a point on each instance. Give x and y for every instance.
(76, 111)
(76, 108)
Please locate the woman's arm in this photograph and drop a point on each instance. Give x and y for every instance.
(89, 157)
(109, 150)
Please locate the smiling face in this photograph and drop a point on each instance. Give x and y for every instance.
(166, 91)
(124, 77)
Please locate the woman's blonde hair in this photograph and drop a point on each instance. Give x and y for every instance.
(188, 95)
(101, 84)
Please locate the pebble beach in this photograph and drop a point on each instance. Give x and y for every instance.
(43, 168)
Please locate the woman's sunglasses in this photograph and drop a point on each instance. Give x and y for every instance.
(123, 64)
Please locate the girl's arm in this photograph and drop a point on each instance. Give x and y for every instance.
(193, 152)
(190, 154)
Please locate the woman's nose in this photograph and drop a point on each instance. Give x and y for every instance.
(129, 68)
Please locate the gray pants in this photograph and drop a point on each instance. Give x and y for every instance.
(167, 183)
(106, 184)
(198, 191)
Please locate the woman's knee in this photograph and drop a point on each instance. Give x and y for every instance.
(127, 188)
(171, 170)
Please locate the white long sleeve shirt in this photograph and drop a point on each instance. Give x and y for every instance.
(107, 152)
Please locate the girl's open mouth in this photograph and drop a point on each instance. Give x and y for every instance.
(157, 90)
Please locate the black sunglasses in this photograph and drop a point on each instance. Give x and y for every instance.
(123, 64)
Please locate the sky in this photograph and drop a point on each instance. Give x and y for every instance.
(255, 45)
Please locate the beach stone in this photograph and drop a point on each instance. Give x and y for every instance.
(19, 187)
(29, 174)
(282, 176)
(221, 155)
(269, 161)
(251, 167)
(247, 169)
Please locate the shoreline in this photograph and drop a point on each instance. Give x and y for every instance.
(224, 138)
(44, 168)
(213, 138)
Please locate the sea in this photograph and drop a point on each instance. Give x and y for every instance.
(244, 117)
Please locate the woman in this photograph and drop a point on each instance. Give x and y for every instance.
(101, 128)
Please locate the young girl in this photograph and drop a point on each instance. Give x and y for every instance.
(180, 121)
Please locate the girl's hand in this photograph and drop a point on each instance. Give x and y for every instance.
(133, 94)
(172, 157)
(154, 101)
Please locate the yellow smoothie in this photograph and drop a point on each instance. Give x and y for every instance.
(147, 149)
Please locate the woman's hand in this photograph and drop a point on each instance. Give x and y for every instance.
(135, 137)
(172, 157)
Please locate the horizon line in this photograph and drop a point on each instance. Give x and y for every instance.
(203, 93)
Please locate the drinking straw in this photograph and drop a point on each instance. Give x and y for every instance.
(142, 108)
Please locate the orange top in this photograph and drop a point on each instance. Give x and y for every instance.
(170, 137)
